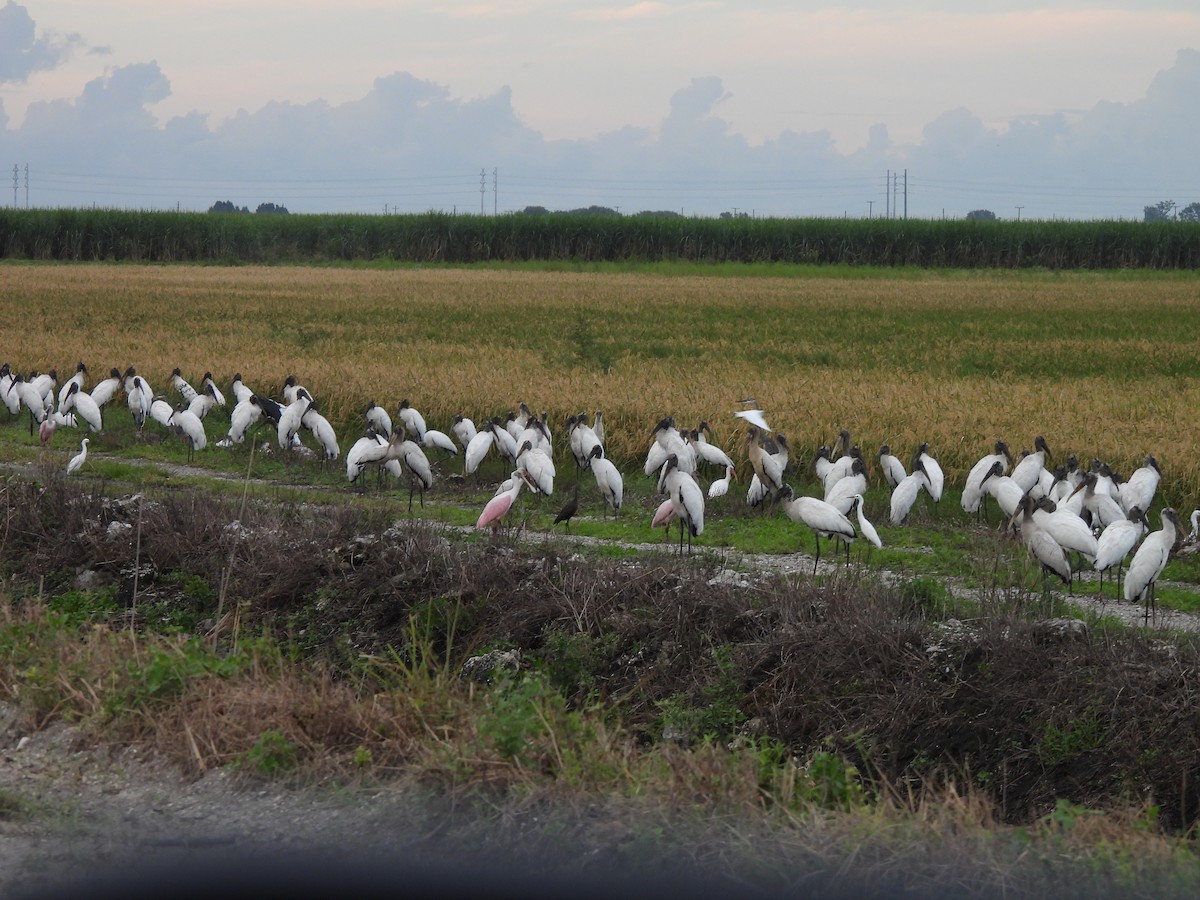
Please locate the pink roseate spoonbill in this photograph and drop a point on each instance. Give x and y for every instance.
(46, 430)
(663, 517)
(501, 505)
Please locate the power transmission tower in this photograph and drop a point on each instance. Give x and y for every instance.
(27, 185)
(482, 188)
(906, 193)
(16, 172)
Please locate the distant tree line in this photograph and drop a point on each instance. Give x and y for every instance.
(597, 211)
(225, 206)
(1165, 211)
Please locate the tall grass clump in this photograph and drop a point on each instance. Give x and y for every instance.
(143, 236)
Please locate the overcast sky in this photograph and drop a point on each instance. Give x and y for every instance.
(1063, 108)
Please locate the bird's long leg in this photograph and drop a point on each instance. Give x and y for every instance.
(817, 557)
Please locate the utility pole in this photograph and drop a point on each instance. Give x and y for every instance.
(27, 185)
(870, 208)
(482, 188)
(1019, 208)
(895, 191)
(15, 173)
(495, 191)
(887, 194)
(906, 193)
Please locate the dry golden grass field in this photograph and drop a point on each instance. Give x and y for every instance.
(1102, 364)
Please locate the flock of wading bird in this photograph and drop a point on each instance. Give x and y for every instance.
(1062, 515)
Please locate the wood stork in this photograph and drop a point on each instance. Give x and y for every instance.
(582, 438)
(76, 379)
(1116, 542)
(505, 443)
(818, 515)
(708, 453)
(1102, 506)
(669, 442)
(241, 393)
(1139, 490)
(1068, 530)
(974, 497)
(79, 458)
(767, 466)
(185, 390)
(271, 410)
(439, 440)
(841, 495)
(686, 499)
(905, 494)
(890, 466)
(207, 384)
(370, 449)
(1006, 492)
(1047, 551)
(464, 429)
(608, 480)
(104, 390)
(322, 431)
(598, 425)
(8, 393)
(31, 399)
(1028, 471)
(933, 471)
(1194, 534)
(291, 390)
(244, 415)
(477, 449)
(82, 402)
(537, 467)
(413, 462)
(1149, 561)
(45, 385)
(137, 400)
(161, 412)
(290, 417)
(188, 424)
(518, 421)
(413, 421)
(202, 403)
(378, 418)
